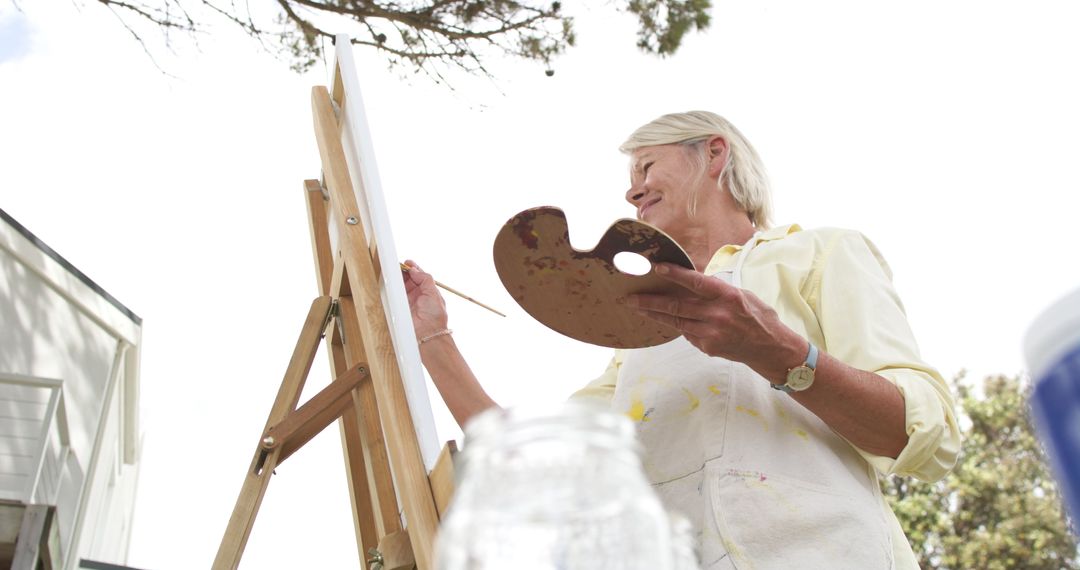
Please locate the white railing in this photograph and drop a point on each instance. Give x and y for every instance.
(52, 427)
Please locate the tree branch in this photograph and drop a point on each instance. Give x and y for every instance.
(431, 35)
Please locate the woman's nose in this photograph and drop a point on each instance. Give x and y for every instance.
(634, 194)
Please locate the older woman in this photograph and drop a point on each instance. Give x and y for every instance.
(795, 383)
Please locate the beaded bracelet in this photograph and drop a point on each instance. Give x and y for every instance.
(435, 335)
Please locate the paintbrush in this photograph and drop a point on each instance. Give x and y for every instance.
(456, 292)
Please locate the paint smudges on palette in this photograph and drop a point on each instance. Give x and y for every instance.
(523, 229)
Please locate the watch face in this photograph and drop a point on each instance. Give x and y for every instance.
(800, 378)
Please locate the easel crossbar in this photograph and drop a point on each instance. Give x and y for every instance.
(310, 419)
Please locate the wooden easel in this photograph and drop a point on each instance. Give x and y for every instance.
(367, 396)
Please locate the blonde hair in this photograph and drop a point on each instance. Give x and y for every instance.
(743, 175)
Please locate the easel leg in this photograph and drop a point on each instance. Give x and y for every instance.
(403, 448)
(359, 491)
(263, 463)
(374, 445)
(371, 490)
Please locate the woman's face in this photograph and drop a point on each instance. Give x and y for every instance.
(663, 181)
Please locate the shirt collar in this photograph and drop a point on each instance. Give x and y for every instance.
(724, 255)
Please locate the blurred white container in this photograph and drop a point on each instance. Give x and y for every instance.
(1052, 352)
(555, 490)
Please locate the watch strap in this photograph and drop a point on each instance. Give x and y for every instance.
(811, 357)
(810, 362)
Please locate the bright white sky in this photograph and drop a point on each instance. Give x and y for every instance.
(946, 131)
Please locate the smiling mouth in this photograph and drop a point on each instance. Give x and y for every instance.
(646, 206)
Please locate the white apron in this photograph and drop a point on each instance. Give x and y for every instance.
(764, 482)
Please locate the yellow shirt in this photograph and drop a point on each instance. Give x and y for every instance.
(833, 287)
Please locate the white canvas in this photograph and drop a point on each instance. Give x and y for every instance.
(364, 173)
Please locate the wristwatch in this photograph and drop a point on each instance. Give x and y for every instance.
(802, 376)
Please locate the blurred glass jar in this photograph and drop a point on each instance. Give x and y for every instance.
(556, 490)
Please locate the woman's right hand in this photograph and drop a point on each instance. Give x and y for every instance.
(463, 394)
(425, 302)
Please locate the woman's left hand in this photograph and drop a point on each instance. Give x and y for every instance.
(726, 321)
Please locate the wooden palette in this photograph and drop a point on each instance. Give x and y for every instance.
(582, 294)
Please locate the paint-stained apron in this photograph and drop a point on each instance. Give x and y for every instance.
(764, 482)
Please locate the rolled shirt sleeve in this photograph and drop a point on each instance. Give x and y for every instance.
(864, 325)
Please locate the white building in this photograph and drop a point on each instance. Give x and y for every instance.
(69, 423)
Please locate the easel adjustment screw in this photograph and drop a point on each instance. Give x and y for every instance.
(268, 441)
(376, 560)
(351, 220)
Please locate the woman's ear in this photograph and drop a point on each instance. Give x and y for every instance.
(718, 155)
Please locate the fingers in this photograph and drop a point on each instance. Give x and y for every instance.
(414, 276)
(683, 307)
(410, 271)
(698, 314)
(704, 286)
(714, 316)
(689, 327)
(418, 283)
